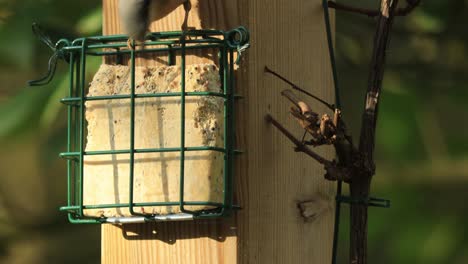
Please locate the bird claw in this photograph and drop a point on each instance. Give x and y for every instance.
(187, 28)
(130, 43)
(187, 8)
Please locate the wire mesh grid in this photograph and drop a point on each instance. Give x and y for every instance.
(173, 45)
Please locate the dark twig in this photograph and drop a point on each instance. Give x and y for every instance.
(310, 121)
(295, 87)
(333, 171)
(299, 145)
(296, 101)
(322, 131)
(352, 9)
(410, 6)
(361, 182)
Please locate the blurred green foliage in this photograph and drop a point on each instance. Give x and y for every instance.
(422, 147)
(32, 133)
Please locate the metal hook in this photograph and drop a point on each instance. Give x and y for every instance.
(42, 36)
(58, 53)
(52, 66)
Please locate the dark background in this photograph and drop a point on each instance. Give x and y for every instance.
(422, 147)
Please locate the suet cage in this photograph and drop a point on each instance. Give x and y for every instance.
(174, 46)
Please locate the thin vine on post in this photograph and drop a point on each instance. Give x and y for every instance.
(355, 164)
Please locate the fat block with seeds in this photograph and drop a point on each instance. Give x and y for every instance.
(106, 178)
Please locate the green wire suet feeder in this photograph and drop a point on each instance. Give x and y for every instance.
(145, 143)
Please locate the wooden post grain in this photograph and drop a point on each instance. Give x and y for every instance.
(270, 178)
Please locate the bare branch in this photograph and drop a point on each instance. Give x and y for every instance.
(308, 121)
(296, 101)
(295, 87)
(324, 130)
(361, 182)
(357, 10)
(300, 147)
(334, 172)
(370, 113)
(410, 6)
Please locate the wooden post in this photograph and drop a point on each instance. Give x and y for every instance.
(271, 179)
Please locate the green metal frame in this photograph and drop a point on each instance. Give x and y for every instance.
(170, 43)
